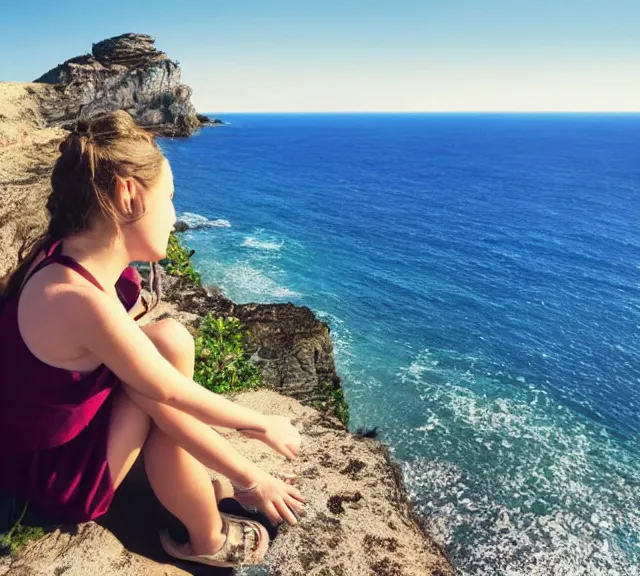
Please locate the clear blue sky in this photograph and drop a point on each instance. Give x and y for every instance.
(262, 55)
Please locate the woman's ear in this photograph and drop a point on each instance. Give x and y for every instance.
(129, 199)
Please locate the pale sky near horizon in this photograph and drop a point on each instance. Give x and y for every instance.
(357, 55)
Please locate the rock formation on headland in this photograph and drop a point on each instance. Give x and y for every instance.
(126, 72)
(358, 521)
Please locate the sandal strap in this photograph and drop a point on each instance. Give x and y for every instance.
(241, 543)
(241, 546)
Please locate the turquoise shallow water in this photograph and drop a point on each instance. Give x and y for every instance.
(481, 277)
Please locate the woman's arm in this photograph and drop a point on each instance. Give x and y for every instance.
(106, 331)
(271, 495)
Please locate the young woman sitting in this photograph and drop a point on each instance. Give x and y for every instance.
(84, 389)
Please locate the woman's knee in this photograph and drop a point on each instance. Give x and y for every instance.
(128, 431)
(173, 341)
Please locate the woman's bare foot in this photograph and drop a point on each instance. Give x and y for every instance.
(211, 545)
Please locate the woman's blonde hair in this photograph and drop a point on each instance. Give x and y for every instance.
(83, 182)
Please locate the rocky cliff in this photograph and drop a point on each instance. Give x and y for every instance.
(125, 72)
(290, 345)
(28, 149)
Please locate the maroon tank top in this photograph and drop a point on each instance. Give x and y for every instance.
(42, 406)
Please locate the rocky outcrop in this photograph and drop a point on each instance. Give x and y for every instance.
(197, 222)
(290, 345)
(356, 521)
(126, 72)
(28, 150)
(205, 120)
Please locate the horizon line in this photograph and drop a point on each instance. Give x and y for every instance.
(423, 112)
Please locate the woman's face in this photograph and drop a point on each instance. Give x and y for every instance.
(147, 238)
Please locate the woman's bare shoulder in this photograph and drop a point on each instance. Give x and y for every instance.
(53, 312)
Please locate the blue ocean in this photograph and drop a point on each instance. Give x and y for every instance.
(481, 278)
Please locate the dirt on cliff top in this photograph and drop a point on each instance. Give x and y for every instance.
(20, 120)
(28, 150)
(357, 521)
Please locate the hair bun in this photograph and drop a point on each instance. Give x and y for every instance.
(73, 144)
(82, 128)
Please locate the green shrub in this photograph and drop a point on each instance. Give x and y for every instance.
(13, 541)
(178, 261)
(332, 402)
(340, 406)
(221, 363)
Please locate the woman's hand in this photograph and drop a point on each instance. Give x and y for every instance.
(280, 435)
(273, 497)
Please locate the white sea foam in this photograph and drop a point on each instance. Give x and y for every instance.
(220, 223)
(341, 337)
(329, 318)
(198, 221)
(245, 283)
(251, 242)
(511, 481)
(360, 386)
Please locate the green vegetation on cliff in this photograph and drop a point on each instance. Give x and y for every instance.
(178, 261)
(221, 362)
(14, 540)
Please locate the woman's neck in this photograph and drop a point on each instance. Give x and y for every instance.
(104, 259)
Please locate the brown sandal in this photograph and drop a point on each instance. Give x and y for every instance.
(246, 543)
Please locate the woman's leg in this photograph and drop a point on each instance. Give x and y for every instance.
(180, 482)
(183, 486)
(128, 430)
